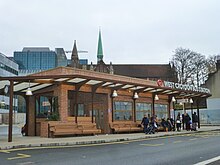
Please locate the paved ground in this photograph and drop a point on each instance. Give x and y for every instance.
(184, 149)
(21, 142)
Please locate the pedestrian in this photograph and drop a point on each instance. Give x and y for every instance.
(187, 121)
(183, 120)
(145, 122)
(178, 122)
(164, 125)
(194, 121)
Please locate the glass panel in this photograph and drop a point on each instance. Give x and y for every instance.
(141, 109)
(161, 111)
(123, 110)
(80, 110)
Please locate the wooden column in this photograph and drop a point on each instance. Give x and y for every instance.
(153, 107)
(31, 108)
(10, 111)
(134, 109)
(197, 104)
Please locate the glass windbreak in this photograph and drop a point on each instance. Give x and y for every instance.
(122, 110)
(81, 110)
(141, 109)
(161, 111)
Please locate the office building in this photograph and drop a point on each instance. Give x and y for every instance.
(36, 59)
(8, 68)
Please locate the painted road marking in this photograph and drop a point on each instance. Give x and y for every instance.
(54, 147)
(25, 163)
(208, 161)
(20, 156)
(152, 145)
(5, 151)
(179, 141)
(98, 144)
(204, 136)
(193, 139)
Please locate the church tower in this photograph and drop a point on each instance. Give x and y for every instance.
(101, 66)
(100, 50)
(74, 57)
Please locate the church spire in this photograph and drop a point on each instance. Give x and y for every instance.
(100, 51)
(74, 57)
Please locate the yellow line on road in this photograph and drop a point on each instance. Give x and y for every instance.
(193, 139)
(152, 145)
(204, 136)
(98, 144)
(20, 156)
(5, 151)
(179, 141)
(54, 147)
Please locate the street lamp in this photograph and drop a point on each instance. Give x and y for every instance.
(136, 95)
(29, 92)
(114, 94)
(173, 99)
(156, 97)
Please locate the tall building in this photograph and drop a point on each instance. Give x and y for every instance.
(35, 59)
(9, 68)
(61, 57)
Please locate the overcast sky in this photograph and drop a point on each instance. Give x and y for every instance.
(133, 31)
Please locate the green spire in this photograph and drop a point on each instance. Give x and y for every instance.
(100, 51)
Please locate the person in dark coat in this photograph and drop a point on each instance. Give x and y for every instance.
(178, 122)
(164, 124)
(194, 121)
(145, 122)
(187, 121)
(183, 120)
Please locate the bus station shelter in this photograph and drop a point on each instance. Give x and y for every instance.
(74, 94)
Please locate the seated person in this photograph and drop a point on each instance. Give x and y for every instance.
(164, 124)
(170, 124)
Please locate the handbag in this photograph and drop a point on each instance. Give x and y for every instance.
(178, 121)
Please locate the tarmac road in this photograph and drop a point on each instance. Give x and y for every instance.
(183, 149)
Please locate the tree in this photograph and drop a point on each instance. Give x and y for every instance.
(182, 60)
(199, 69)
(191, 67)
(211, 63)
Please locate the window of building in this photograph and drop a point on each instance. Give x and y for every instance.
(122, 110)
(141, 109)
(80, 109)
(161, 111)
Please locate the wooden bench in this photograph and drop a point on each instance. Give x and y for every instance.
(59, 129)
(67, 128)
(89, 128)
(80, 119)
(136, 127)
(125, 127)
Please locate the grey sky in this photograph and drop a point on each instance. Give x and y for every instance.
(133, 31)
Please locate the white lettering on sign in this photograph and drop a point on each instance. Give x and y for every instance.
(186, 87)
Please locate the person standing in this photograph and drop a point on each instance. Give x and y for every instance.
(194, 121)
(178, 122)
(145, 122)
(187, 122)
(183, 120)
